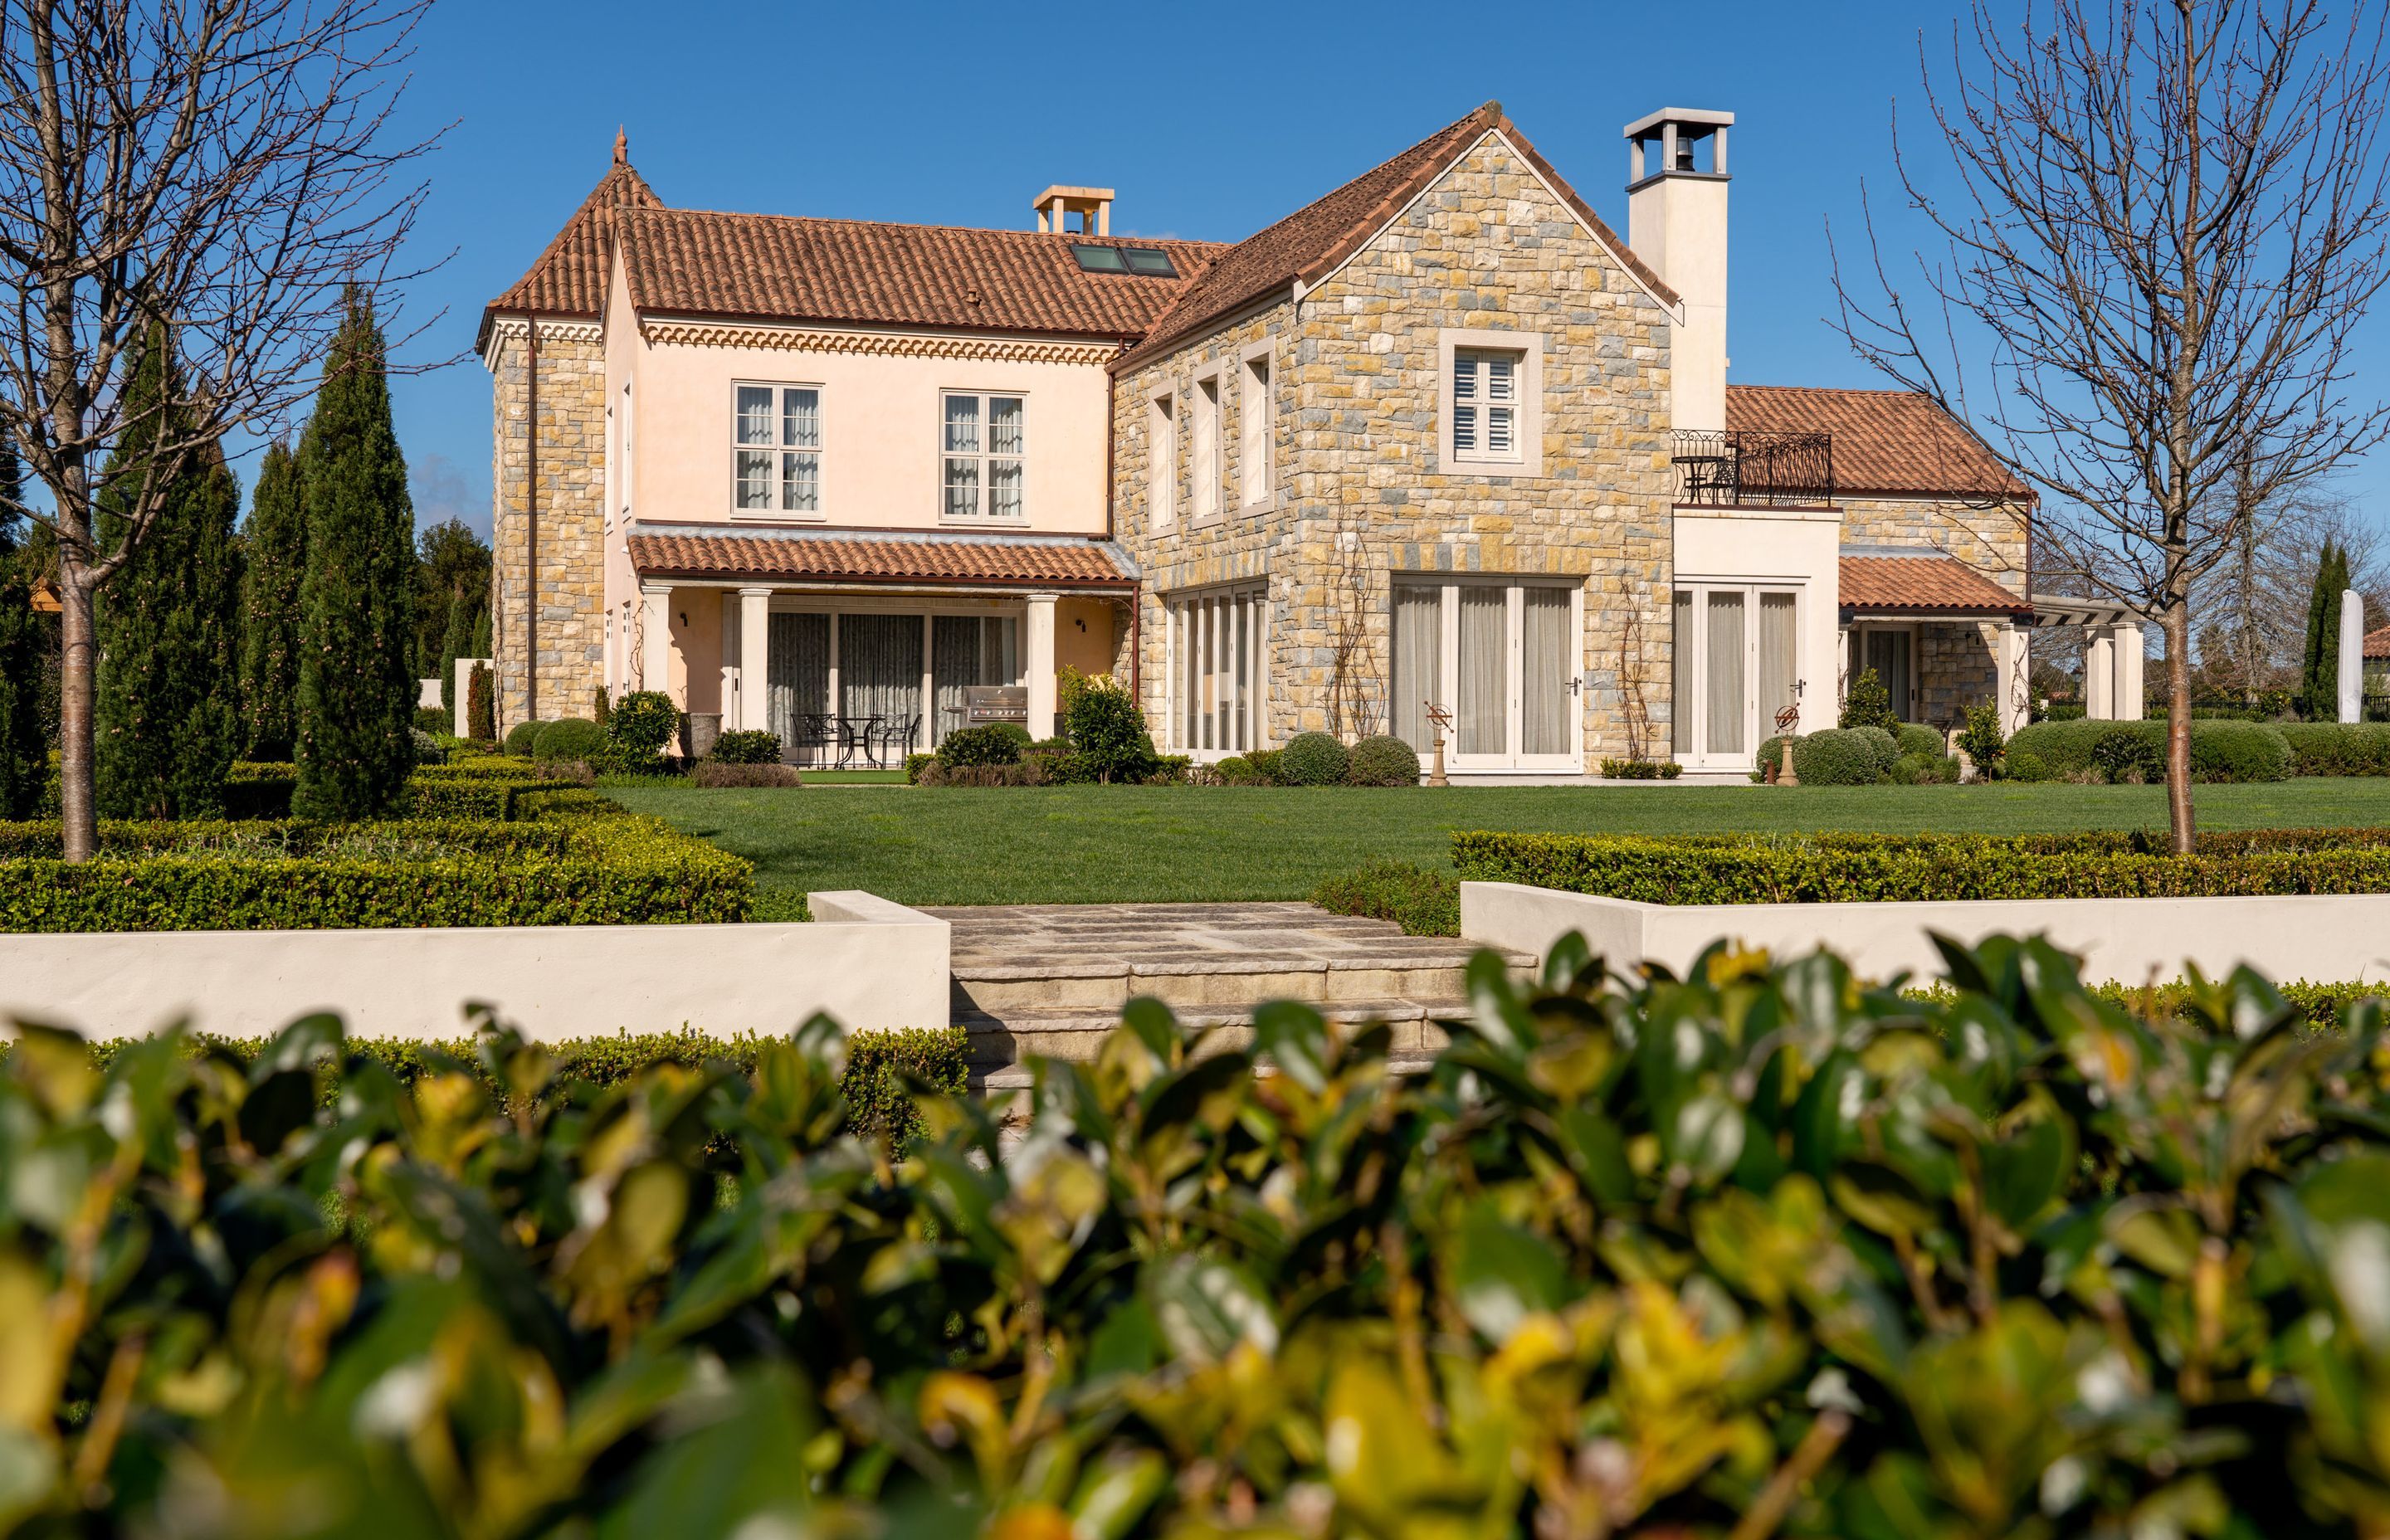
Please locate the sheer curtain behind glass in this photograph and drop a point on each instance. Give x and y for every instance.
(1485, 693)
(1726, 662)
(797, 677)
(879, 668)
(1418, 653)
(1777, 641)
(1681, 697)
(1544, 659)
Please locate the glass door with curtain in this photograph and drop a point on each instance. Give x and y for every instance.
(1217, 677)
(796, 674)
(880, 676)
(1891, 650)
(1736, 670)
(1503, 658)
(966, 651)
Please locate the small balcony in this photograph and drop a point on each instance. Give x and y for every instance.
(1734, 468)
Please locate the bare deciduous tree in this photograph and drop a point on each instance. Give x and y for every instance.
(2166, 218)
(210, 174)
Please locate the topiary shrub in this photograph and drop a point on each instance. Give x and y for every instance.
(2024, 765)
(1843, 756)
(1313, 759)
(431, 719)
(640, 725)
(1883, 744)
(2338, 748)
(1237, 770)
(1916, 737)
(520, 736)
(573, 737)
(1869, 704)
(747, 746)
(481, 717)
(1383, 760)
(996, 743)
(1265, 763)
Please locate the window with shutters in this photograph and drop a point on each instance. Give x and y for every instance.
(1492, 419)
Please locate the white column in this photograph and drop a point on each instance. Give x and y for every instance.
(655, 651)
(754, 652)
(1041, 665)
(2352, 656)
(2099, 674)
(2016, 700)
(2132, 657)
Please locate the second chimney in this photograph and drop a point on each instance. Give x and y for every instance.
(1093, 205)
(1675, 220)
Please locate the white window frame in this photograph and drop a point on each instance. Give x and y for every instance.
(1206, 478)
(1526, 456)
(839, 606)
(987, 459)
(1161, 459)
(780, 448)
(1513, 758)
(1212, 626)
(1694, 655)
(1257, 428)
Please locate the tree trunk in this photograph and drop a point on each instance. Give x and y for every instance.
(2176, 623)
(78, 683)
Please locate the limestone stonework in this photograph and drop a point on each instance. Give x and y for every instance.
(570, 609)
(1360, 495)
(1958, 663)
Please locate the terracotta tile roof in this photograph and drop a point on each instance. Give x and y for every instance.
(1886, 443)
(1314, 239)
(685, 263)
(1925, 585)
(570, 276)
(2377, 643)
(846, 557)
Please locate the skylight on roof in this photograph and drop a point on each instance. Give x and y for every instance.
(1150, 261)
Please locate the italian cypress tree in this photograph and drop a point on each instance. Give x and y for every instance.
(2320, 661)
(481, 635)
(24, 760)
(269, 658)
(166, 724)
(356, 602)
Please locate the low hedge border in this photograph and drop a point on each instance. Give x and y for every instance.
(2221, 752)
(268, 876)
(478, 788)
(874, 1081)
(1845, 868)
(2338, 748)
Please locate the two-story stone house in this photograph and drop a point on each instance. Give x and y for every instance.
(1440, 444)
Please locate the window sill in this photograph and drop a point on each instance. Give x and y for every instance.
(1499, 469)
(763, 516)
(983, 523)
(1259, 506)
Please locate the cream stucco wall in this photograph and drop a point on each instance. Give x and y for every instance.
(1779, 545)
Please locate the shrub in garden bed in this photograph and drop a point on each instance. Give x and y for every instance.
(993, 743)
(2117, 751)
(571, 738)
(1916, 737)
(1641, 769)
(1312, 759)
(717, 775)
(746, 746)
(1836, 756)
(520, 736)
(640, 729)
(554, 869)
(2337, 748)
(1837, 1262)
(1383, 760)
(1828, 868)
(1424, 901)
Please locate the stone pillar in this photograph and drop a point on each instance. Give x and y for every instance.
(2352, 656)
(1039, 665)
(2013, 689)
(2099, 674)
(754, 656)
(655, 651)
(2132, 660)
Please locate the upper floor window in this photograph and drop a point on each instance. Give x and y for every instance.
(1204, 474)
(1485, 404)
(1255, 423)
(777, 454)
(983, 441)
(1161, 461)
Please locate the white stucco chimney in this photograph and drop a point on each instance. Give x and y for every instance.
(1675, 220)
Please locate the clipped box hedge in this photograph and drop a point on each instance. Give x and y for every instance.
(2338, 748)
(480, 788)
(271, 876)
(1850, 868)
(2221, 752)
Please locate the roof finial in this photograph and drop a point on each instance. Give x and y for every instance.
(621, 147)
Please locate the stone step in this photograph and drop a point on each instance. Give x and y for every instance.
(999, 1041)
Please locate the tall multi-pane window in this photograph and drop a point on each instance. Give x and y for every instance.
(983, 441)
(1162, 470)
(1254, 418)
(1485, 404)
(1218, 680)
(776, 457)
(1204, 470)
(1500, 658)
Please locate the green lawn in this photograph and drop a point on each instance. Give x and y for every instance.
(1086, 844)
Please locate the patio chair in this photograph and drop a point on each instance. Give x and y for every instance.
(810, 738)
(895, 740)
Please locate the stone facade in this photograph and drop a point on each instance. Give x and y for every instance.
(1958, 661)
(1361, 496)
(571, 598)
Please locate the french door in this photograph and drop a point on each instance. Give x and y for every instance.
(1504, 658)
(1736, 670)
(1217, 682)
(1891, 650)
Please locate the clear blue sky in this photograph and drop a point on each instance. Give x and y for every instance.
(1211, 121)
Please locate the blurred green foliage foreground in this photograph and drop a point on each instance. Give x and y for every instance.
(1761, 1253)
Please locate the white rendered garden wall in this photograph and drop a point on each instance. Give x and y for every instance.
(2324, 938)
(866, 961)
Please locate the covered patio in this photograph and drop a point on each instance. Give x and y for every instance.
(856, 649)
(1940, 634)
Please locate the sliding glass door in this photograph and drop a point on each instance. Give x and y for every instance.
(1503, 658)
(1736, 670)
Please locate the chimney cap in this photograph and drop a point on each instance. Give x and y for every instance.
(1076, 195)
(1700, 117)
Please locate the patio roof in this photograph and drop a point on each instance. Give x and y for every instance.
(1924, 584)
(719, 553)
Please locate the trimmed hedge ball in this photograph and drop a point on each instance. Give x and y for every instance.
(573, 737)
(1383, 760)
(520, 736)
(746, 746)
(1916, 737)
(1313, 759)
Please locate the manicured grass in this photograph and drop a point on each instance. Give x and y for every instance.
(1088, 845)
(854, 777)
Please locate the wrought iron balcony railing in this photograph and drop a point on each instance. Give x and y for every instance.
(1733, 466)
